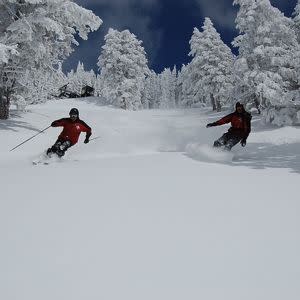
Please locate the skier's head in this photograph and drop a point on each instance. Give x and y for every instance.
(239, 107)
(74, 114)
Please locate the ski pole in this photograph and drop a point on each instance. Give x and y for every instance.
(29, 139)
(95, 138)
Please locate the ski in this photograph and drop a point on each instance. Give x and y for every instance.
(44, 159)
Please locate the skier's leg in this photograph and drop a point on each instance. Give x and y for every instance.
(221, 141)
(63, 147)
(232, 141)
(54, 148)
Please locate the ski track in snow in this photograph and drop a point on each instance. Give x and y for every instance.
(149, 210)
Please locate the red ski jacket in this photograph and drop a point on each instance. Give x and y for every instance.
(72, 129)
(240, 123)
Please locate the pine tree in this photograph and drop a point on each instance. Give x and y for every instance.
(98, 86)
(123, 67)
(175, 86)
(167, 89)
(210, 71)
(39, 86)
(6, 52)
(186, 89)
(150, 91)
(268, 56)
(81, 78)
(296, 20)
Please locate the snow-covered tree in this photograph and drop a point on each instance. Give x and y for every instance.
(39, 86)
(167, 89)
(210, 72)
(6, 52)
(176, 91)
(268, 62)
(80, 78)
(160, 89)
(98, 86)
(150, 94)
(123, 67)
(185, 88)
(44, 32)
(297, 20)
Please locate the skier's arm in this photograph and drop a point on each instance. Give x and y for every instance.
(86, 128)
(58, 123)
(226, 119)
(247, 126)
(247, 129)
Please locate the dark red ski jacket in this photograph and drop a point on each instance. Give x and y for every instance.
(72, 129)
(240, 123)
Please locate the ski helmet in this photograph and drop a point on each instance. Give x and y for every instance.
(238, 104)
(74, 111)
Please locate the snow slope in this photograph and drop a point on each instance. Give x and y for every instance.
(138, 215)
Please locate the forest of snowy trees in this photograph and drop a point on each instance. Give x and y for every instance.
(36, 36)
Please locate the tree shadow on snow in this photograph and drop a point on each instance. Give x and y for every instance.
(257, 156)
(261, 156)
(14, 124)
(268, 155)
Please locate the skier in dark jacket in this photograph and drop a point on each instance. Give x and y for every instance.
(72, 127)
(238, 132)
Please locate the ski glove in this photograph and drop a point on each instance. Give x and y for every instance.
(243, 142)
(86, 140)
(211, 125)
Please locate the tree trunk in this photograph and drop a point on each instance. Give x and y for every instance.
(219, 107)
(256, 102)
(213, 102)
(123, 103)
(4, 106)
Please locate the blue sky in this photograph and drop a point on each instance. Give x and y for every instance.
(164, 26)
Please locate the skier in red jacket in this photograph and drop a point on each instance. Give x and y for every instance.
(238, 132)
(72, 127)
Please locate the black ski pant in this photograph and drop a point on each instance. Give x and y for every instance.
(228, 140)
(59, 148)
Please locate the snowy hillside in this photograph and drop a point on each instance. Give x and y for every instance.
(148, 211)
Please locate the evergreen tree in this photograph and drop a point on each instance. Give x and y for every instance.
(81, 78)
(210, 71)
(175, 86)
(123, 67)
(150, 91)
(6, 52)
(98, 86)
(296, 20)
(186, 90)
(167, 89)
(268, 55)
(39, 86)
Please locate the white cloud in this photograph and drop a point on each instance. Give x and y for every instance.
(221, 12)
